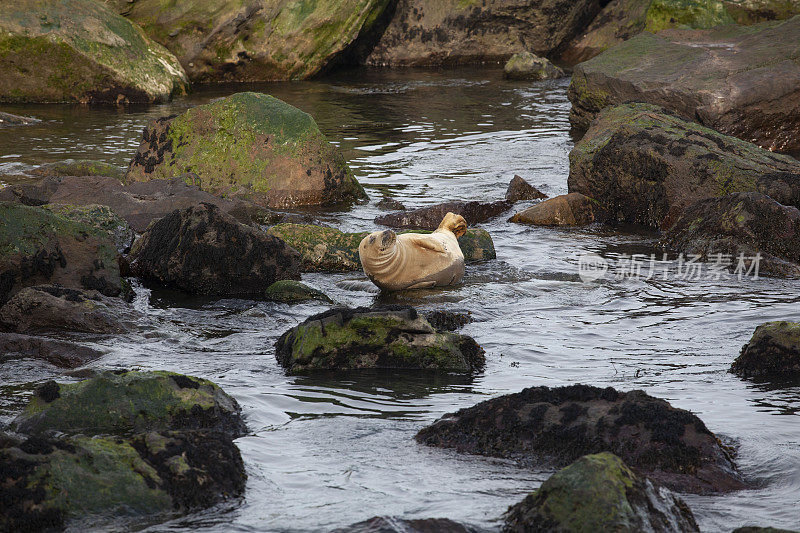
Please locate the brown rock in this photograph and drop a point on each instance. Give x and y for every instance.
(429, 218)
(62, 354)
(520, 190)
(573, 209)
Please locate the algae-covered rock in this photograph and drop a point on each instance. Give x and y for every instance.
(39, 247)
(249, 145)
(80, 51)
(644, 165)
(772, 353)
(573, 209)
(238, 40)
(79, 167)
(100, 217)
(289, 291)
(52, 308)
(202, 251)
(600, 493)
(749, 87)
(734, 229)
(48, 481)
(558, 425)
(528, 66)
(127, 402)
(325, 249)
(392, 338)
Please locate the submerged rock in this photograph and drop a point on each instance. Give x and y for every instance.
(80, 167)
(392, 338)
(45, 308)
(39, 247)
(448, 32)
(390, 204)
(644, 166)
(99, 217)
(81, 51)
(600, 493)
(7, 119)
(288, 291)
(749, 89)
(248, 145)
(772, 353)
(231, 40)
(63, 354)
(528, 66)
(389, 524)
(520, 190)
(429, 218)
(755, 529)
(737, 226)
(131, 402)
(201, 250)
(325, 249)
(573, 209)
(48, 481)
(447, 320)
(558, 425)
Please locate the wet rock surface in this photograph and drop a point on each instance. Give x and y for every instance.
(644, 165)
(558, 425)
(573, 209)
(201, 250)
(772, 353)
(447, 320)
(391, 338)
(735, 228)
(289, 291)
(280, 158)
(99, 217)
(520, 190)
(79, 167)
(749, 89)
(600, 493)
(60, 353)
(429, 218)
(527, 66)
(388, 524)
(390, 204)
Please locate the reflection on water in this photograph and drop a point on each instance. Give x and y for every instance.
(328, 451)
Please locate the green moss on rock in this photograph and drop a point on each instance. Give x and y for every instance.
(99, 217)
(772, 353)
(79, 167)
(290, 291)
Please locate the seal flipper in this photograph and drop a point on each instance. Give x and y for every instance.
(422, 285)
(424, 242)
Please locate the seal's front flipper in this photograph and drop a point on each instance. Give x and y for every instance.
(423, 241)
(422, 285)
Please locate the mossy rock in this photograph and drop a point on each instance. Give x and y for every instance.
(81, 51)
(599, 493)
(79, 167)
(100, 217)
(249, 145)
(40, 247)
(325, 249)
(290, 291)
(127, 402)
(772, 353)
(231, 40)
(528, 66)
(356, 339)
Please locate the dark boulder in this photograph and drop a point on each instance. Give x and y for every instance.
(390, 204)
(573, 209)
(203, 251)
(391, 338)
(387, 524)
(520, 190)
(772, 353)
(447, 320)
(558, 425)
(429, 218)
(60, 353)
(600, 493)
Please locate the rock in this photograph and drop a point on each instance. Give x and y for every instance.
(393, 338)
(448, 32)
(528, 66)
(81, 167)
(7, 119)
(429, 218)
(230, 40)
(81, 51)
(644, 166)
(49, 481)
(600, 493)
(754, 529)
(750, 87)
(558, 425)
(573, 209)
(390, 204)
(618, 21)
(248, 145)
(138, 204)
(447, 320)
(739, 226)
(39, 247)
(520, 190)
(291, 292)
(52, 308)
(330, 250)
(746, 12)
(385, 524)
(120, 403)
(62, 354)
(202, 251)
(100, 217)
(772, 353)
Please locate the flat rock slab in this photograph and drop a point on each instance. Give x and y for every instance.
(60, 353)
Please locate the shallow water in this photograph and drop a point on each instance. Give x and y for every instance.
(327, 452)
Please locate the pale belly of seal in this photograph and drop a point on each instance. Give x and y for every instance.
(414, 261)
